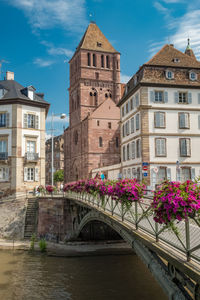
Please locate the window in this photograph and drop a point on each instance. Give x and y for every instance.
(107, 62)
(176, 60)
(127, 128)
(3, 122)
(96, 75)
(185, 174)
(159, 96)
(100, 142)
(123, 130)
(138, 148)
(89, 59)
(131, 102)
(123, 111)
(117, 142)
(184, 121)
(30, 174)
(182, 97)
(137, 100)
(169, 74)
(184, 147)
(102, 61)
(138, 174)
(127, 107)
(99, 44)
(4, 174)
(3, 149)
(193, 76)
(31, 146)
(98, 122)
(162, 174)
(75, 137)
(132, 125)
(94, 60)
(2, 92)
(124, 153)
(128, 152)
(31, 121)
(160, 147)
(134, 173)
(137, 122)
(159, 119)
(109, 125)
(133, 150)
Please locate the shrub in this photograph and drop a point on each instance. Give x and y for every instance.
(43, 245)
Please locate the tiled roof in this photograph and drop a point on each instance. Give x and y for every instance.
(94, 39)
(167, 56)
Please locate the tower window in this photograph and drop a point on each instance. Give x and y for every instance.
(109, 125)
(100, 142)
(117, 142)
(98, 122)
(107, 62)
(97, 75)
(94, 60)
(102, 61)
(89, 59)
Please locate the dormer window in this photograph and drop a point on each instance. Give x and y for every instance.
(176, 60)
(169, 74)
(99, 44)
(29, 92)
(192, 76)
(2, 93)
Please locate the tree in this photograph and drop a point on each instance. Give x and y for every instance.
(59, 176)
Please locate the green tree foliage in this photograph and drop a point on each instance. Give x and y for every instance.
(59, 176)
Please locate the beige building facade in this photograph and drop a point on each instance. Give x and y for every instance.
(22, 137)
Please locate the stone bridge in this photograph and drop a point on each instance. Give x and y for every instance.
(174, 260)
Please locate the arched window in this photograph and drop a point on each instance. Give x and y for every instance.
(117, 142)
(100, 142)
(94, 60)
(107, 62)
(89, 59)
(93, 98)
(102, 61)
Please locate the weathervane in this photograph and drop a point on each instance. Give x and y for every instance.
(91, 20)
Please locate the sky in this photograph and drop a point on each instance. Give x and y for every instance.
(38, 38)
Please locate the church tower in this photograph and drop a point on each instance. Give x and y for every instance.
(92, 138)
(94, 74)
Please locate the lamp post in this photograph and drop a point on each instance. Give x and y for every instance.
(62, 116)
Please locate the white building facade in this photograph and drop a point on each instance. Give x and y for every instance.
(22, 137)
(160, 119)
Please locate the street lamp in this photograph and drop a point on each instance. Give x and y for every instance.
(62, 116)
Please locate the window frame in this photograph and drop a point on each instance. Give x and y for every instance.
(167, 74)
(179, 118)
(159, 92)
(165, 147)
(182, 93)
(159, 112)
(192, 79)
(187, 154)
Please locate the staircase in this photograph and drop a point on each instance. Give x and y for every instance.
(31, 218)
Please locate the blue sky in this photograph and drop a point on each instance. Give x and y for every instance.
(38, 37)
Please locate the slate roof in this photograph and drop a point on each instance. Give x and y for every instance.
(166, 55)
(14, 91)
(92, 37)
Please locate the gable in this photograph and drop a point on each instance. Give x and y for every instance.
(107, 110)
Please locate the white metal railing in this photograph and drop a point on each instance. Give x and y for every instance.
(139, 216)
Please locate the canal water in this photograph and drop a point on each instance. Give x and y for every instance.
(111, 277)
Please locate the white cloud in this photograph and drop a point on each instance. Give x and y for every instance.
(160, 7)
(60, 51)
(174, 1)
(42, 62)
(44, 14)
(124, 78)
(57, 119)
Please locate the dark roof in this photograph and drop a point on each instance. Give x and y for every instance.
(166, 56)
(14, 90)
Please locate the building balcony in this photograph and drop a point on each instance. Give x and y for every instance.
(29, 156)
(3, 155)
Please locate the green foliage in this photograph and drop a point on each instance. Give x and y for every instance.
(59, 176)
(43, 245)
(33, 240)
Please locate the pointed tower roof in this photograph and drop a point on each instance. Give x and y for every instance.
(170, 56)
(94, 39)
(189, 50)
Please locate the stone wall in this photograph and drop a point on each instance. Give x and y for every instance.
(12, 219)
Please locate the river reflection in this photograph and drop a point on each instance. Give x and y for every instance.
(111, 277)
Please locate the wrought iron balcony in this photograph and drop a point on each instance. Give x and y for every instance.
(3, 155)
(31, 156)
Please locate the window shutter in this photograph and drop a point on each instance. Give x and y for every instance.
(182, 120)
(25, 121)
(165, 97)
(152, 96)
(188, 146)
(25, 174)
(199, 98)
(132, 125)
(137, 100)
(36, 174)
(169, 174)
(193, 174)
(7, 174)
(133, 150)
(36, 122)
(186, 120)
(176, 97)
(157, 147)
(178, 174)
(157, 115)
(7, 119)
(162, 147)
(153, 178)
(199, 121)
(189, 98)
(162, 119)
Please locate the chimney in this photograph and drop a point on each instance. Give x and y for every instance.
(10, 75)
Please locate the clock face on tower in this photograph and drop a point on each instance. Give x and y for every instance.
(75, 137)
